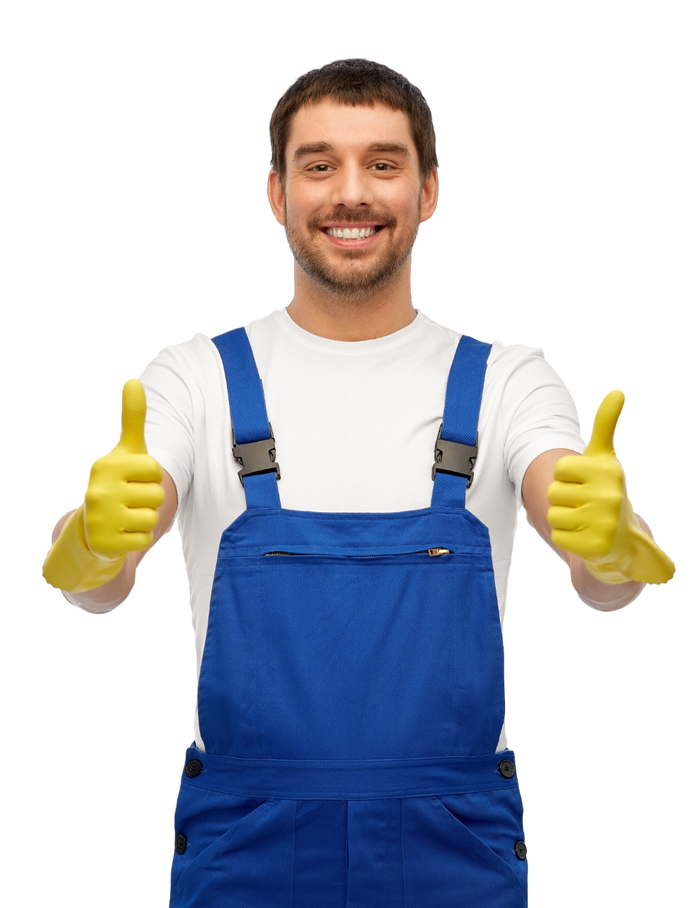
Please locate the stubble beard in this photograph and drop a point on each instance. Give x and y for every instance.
(355, 284)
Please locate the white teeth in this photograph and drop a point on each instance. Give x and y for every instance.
(347, 233)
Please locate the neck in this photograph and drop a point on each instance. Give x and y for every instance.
(350, 319)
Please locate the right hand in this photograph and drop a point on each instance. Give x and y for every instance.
(124, 491)
(591, 515)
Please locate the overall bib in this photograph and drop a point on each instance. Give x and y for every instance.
(351, 694)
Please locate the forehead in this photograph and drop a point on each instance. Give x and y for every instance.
(349, 128)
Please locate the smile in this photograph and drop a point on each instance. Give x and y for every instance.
(352, 237)
(351, 233)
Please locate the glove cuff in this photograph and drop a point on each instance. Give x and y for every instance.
(71, 566)
(607, 573)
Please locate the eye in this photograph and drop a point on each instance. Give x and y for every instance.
(382, 167)
(321, 168)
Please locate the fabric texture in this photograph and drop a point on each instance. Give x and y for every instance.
(351, 700)
(422, 850)
(355, 426)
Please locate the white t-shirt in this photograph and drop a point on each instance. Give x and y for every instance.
(355, 425)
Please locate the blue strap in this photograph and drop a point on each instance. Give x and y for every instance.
(460, 422)
(250, 422)
(248, 411)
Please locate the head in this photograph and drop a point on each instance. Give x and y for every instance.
(355, 83)
(353, 146)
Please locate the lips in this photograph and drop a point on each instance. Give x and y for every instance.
(357, 242)
(350, 225)
(351, 233)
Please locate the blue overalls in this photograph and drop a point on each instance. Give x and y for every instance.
(351, 694)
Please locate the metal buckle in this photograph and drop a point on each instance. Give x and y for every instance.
(256, 456)
(455, 458)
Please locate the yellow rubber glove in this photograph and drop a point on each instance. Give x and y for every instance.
(119, 512)
(591, 514)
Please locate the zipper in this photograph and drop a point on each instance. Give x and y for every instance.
(431, 552)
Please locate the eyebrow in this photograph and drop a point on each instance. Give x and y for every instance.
(321, 147)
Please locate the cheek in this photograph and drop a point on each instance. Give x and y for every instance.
(403, 204)
(305, 201)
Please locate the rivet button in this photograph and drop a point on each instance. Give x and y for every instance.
(193, 768)
(520, 851)
(506, 769)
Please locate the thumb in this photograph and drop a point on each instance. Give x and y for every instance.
(132, 439)
(604, 424)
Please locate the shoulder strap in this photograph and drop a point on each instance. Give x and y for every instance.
(253, 441)
(456, 445)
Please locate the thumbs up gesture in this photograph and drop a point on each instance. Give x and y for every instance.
(124, 492)
(591, 515)
(119, 513)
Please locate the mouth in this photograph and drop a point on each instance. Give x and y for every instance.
(353, 234)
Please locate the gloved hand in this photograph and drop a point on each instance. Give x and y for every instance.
(591, 514)
(119, 512)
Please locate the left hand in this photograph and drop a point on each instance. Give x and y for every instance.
(591, 515)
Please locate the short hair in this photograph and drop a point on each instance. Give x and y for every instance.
(355, 82)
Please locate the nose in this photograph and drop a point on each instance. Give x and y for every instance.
(352, 187)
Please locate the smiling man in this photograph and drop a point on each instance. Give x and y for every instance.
(347, 475)
(351, 207)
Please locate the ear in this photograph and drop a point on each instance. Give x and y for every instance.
(275, 194)
(429, 196)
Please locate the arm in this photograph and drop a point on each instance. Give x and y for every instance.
(538, 478)
(104, 598)
(129, 504)
(609, 550)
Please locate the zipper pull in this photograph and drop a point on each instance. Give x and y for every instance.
(439, 552)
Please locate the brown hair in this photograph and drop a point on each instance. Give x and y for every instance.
(355, 82)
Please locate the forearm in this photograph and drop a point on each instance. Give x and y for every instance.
(604, 596)
(105, 598)
(108, 596)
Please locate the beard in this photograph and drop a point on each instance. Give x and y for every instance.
(350, 281)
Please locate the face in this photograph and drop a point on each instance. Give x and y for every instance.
(353, 196)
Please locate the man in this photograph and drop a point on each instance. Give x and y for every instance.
(349, 745)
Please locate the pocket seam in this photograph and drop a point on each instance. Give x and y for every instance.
(186, 871)
(436, 800)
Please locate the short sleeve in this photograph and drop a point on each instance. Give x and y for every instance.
(169, 418)
(538, 413)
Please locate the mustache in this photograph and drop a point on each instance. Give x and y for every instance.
(348, 216)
